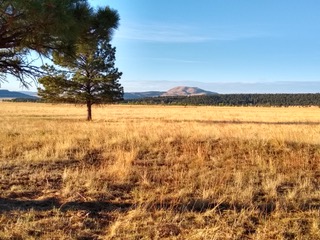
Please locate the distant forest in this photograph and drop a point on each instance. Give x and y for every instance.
(235, 100)
(284, 100)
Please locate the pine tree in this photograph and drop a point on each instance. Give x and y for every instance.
(90, 76)
(42, 26)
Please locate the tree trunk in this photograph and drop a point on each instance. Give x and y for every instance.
(89, 115)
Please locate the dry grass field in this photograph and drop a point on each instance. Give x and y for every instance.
(159, 172)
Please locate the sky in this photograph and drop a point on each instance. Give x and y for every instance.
(225, 46)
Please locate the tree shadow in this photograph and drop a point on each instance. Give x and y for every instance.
(7, 205)
(246, 122)
(194, 205)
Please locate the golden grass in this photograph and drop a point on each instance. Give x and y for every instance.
(159, 172)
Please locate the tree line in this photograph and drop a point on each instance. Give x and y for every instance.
(235, 100)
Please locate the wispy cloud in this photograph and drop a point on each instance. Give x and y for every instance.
(160, 33)
(175, 33)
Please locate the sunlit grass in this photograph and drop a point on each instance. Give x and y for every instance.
(155, 172)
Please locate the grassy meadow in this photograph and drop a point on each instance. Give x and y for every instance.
(159, 172)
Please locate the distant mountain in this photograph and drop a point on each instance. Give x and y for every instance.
(187, 91)
(135, 95)
(10, 95)
(34, 94)
(177, 91)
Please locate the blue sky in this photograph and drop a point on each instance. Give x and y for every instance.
(227, 46)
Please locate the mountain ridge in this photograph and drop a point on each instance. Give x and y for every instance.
(6, 94)
(176, 91)
(187, 91)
